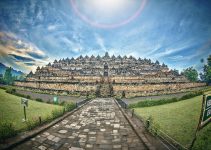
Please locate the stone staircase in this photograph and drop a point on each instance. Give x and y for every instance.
(105, 90)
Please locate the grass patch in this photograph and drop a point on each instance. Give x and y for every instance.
(11, 110)
(147, 103)
(179, 121)
(6, 130)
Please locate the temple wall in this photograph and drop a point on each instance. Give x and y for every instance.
(144, 89)
(156, 87)
(56, 86)
(117, 79)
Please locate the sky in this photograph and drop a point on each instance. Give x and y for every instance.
(33, 33)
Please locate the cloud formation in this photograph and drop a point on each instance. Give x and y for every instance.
(174, 32)
(23, 55)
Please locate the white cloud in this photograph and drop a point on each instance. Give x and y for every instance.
(51, 27)
(19, 53)
(176, 58)
(75, 47)
(100, 41)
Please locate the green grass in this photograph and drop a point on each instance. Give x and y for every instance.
(11, 110)
(179, 121)
(148, 103)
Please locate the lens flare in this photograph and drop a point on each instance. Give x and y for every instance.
(107, 25)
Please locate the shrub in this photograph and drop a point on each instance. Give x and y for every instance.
(6, 130)
(192, 94)
(11, 90)
(69, 106)
(32, 123)
(20, 95)
(39, 99)
(148, 103)
(56, 113)
(62, 103)
(2, 87)
(49, 101)
(48, 118)
(28, 97)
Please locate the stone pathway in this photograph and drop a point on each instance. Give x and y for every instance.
(98, 125)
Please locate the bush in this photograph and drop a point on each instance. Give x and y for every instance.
(62, 103)
(49, 101)
(56, 113)
(28, 97)
(69, 106)
(20, 95)
(6, 130)
(39, 99)
(32, 123)
(148, 103)
(192, 94)
(11, 90)
(2, 87)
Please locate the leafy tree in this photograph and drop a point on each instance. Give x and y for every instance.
(176, 72)
(191, 74)
(206, 76)
(2, 79)
(8, 76)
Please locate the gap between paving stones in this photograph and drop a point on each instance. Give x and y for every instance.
(22, 137)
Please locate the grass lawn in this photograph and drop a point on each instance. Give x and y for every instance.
(179, 121)
(11, 110)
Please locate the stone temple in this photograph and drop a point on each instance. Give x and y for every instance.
(107, 76)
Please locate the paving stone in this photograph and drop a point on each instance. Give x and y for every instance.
(102, 130)
(105, 146)
(86, 130)
(50, 137)
(116, 125)
(89, 145)
(46, 133)
(56, 139)
(62, 131)
(75, 148)
(42, 147)
(117, 146)
(98, 125)
(92, 133)
(115, 131)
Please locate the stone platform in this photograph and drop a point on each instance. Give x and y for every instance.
(98, 125)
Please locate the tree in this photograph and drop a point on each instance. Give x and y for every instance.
(191, 74)
(8, 76)
(207, 71)
(176, 72)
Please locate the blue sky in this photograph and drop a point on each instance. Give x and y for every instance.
(34, 33)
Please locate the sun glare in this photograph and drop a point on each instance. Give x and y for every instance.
(108, 13)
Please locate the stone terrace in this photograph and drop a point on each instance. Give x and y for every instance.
(98, 125)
